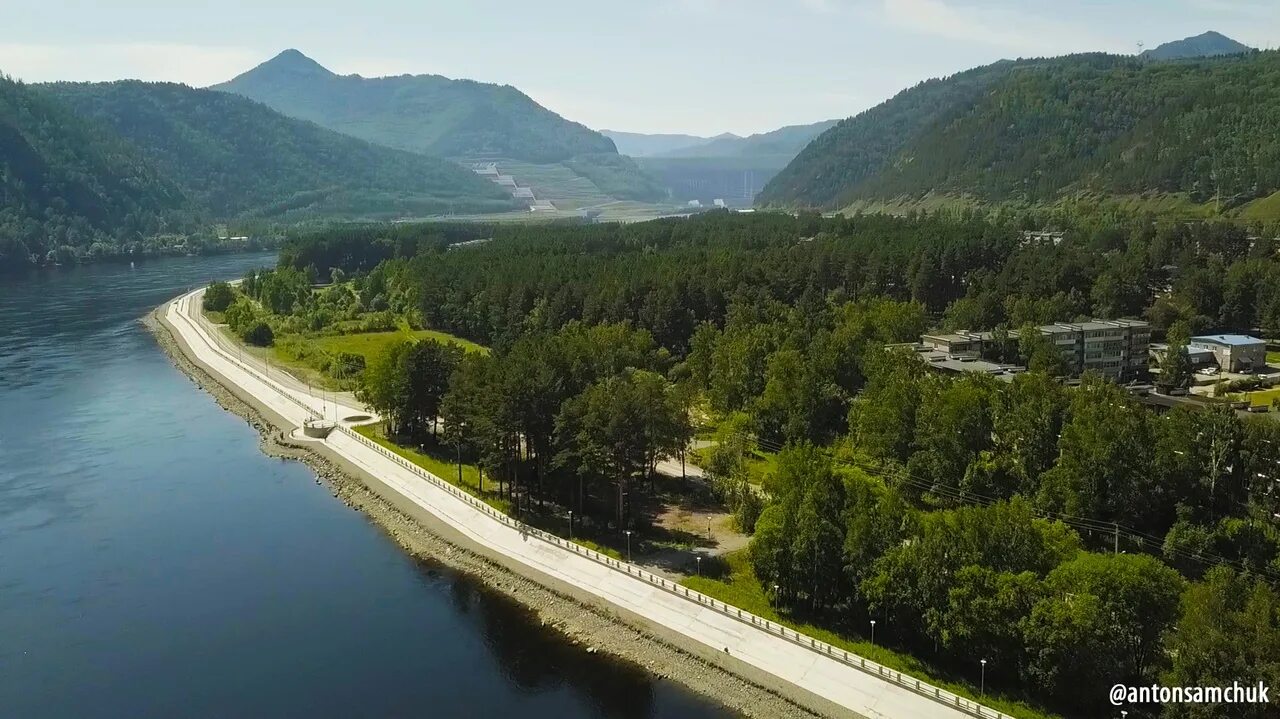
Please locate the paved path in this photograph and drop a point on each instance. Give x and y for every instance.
(855, 686)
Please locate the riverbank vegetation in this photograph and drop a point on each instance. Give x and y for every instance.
(1068, 536)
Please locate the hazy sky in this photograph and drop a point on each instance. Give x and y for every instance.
(698, 66)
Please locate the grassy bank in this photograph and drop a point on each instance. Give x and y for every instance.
(370, 344)
(741, 588)
(436, 461)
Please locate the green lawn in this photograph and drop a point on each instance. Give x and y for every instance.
(742, 589)
(305, 356)
(436, 461)
(369, 344)
(1265, 208)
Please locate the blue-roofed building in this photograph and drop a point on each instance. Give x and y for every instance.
(1235, 353)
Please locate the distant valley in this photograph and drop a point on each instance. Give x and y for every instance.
(725, 167)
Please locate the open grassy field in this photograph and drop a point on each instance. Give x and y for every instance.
(741, 588)
(433, 459)
(1265, 208)
(370, 344)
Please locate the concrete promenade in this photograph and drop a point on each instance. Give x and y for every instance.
(846, 684)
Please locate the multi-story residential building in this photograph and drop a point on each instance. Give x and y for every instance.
(1114, 348)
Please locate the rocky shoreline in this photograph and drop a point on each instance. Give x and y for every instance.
(579, 622)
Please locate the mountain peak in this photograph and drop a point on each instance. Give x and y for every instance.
(1207, 44)
(289, 63)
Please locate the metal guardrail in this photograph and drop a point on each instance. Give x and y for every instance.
(854, 661)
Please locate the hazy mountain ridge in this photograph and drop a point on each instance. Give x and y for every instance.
(428, 114)
(640, 144)
(86, 169)
(234, 157)
(788, 140)
(1209, 44)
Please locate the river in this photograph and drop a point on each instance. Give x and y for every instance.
(154, 563)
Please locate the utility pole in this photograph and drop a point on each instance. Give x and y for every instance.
(1117, 538)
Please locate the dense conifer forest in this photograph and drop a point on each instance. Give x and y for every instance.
(1032, 523)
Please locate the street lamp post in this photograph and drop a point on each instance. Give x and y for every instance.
(873, 631)
(461, 427)
(698, 559)
(628, 545)
(776, 599)
(983, 686)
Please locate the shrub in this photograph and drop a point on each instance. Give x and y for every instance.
(219, 297)
(346, 365)
(258, 333)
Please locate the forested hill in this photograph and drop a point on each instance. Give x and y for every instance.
(421, 113)
(1209, 44)
(1037, 132)
(846, 155)
(234, 157)
(66, 181)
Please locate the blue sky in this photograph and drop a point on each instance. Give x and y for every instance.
(697, 66)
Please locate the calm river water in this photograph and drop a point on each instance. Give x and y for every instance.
(154, 563)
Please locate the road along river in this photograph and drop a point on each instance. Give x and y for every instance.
(811, 673)
(155, 563)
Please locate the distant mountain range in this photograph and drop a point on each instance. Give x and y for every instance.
(429, 114)
(1209, 44)
(639, 144)
(433, 115)
(726, 167)
(234, 157)
(84, 164)
(1196, 134)
(785, 141)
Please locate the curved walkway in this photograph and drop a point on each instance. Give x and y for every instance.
(854, 685)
